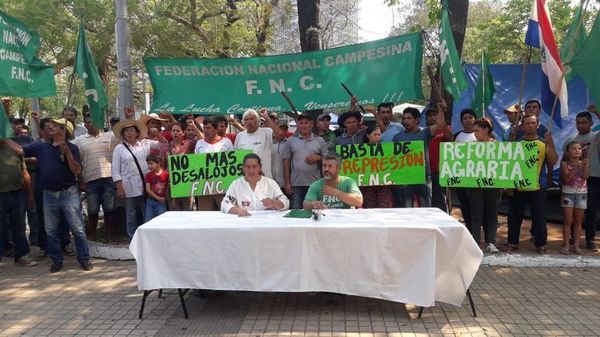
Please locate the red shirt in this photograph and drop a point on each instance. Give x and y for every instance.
(158, 182)
(167, 135)
(434, 151)
(231, 137)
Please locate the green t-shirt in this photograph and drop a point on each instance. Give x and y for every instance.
(345, 184)
(11, 170)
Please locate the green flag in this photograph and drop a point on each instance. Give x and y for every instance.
(88, 72)
(5, 128)
(484, 89)
(22, 73)
(453, 75)
(586, 62)
(19, 35)
(574, 39)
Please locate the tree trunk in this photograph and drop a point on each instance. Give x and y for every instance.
(458, 12)
(308, 17)
(310, 35)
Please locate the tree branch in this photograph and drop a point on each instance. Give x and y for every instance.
(195, 28)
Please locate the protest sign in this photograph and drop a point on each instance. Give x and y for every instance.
(22, 73)
(489, 164)
(204, 174)
(398, 163)
(311, 79)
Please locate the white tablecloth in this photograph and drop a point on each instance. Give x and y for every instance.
(416, 255)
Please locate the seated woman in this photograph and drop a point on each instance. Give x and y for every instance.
(253, 191)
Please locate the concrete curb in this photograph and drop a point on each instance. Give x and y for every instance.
(109, 252)
(548, 260)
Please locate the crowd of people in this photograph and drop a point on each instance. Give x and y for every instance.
(123, 172)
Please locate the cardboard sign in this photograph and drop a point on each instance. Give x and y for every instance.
(489, 164)
(399, 163)
(204, 174)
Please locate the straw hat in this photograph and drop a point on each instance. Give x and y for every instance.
(127, 123)
(511, 109)
(145, 118)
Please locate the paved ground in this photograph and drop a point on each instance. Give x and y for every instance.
(105, 302)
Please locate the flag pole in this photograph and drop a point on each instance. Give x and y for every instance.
(524, 75)
(551, 122)
(482, 73)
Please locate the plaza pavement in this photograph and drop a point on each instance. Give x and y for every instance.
(521, 294)
(510, 301)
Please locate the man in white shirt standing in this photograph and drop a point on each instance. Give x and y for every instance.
(95, 149)
(257, 139)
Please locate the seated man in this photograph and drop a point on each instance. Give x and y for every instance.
(333, 190)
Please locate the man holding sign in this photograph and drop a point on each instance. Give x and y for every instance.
(536, 196)
(212, 142)
(412, 131)
(333, 190)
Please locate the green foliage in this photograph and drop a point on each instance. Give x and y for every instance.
(501, 29)
(158, 28)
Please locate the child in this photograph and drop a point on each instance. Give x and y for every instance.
(156, 187)
(573, 173)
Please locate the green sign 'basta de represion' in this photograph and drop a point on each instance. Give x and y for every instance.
(398, 163)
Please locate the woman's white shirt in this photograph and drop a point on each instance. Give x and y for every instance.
(241, 195)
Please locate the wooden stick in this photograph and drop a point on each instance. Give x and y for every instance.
(291, 104)
(482, 73)
(352, 95)
(551, 122)
(524, 75)
(434, 84)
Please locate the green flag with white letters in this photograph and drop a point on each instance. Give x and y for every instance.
(453, 75)
(88, 72)
(22, 73)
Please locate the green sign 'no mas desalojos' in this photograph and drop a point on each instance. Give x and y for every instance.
(204, 174)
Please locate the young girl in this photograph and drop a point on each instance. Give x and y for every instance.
(573, 173)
